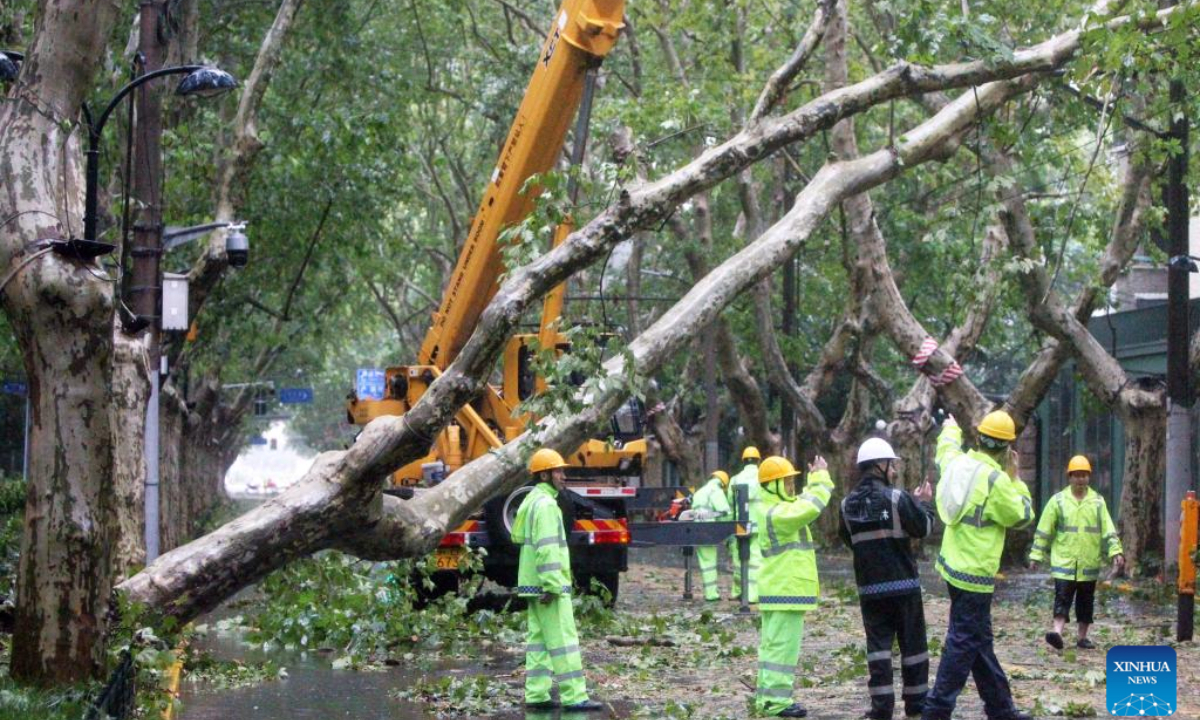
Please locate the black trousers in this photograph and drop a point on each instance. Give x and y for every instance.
(1084, 595)
(896, 618)
(968, 652)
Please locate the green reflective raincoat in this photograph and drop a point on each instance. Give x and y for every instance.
(974, 538)
(1079, 534)
(748, 476)
(545, 564)
(712, 498)
(787, 586)
(788, 579)
(552, 642)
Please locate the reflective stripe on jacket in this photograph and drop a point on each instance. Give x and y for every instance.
(878, 523)
(971, 547)
(1079, 534)
(788, 578)
(545, 562)
(711, 497)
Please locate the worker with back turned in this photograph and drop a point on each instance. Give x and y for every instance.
(748, 478)
(978, 500)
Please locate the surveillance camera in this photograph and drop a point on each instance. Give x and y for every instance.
(237, 246)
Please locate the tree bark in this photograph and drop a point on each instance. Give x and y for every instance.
(62, 316)
(130, 394)
(1141, 496)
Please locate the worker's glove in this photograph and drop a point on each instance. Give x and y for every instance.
(1033, 564)
(1118, 565)
(545, 598)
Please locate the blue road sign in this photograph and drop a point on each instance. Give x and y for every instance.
(16, 387)
(295, 396)
(258, 440)
(369, 384)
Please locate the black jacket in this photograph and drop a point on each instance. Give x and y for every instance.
(878, 522)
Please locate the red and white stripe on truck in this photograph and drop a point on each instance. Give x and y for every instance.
(473, 533)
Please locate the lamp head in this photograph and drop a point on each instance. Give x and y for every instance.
(237, 246)
(206, 82)
(1186, 263)
(10, 66)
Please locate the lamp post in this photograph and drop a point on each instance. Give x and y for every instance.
(145, 247)
(200, 80)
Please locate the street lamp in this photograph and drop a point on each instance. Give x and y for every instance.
(200, 80)
(10, 65)
(1186, 263)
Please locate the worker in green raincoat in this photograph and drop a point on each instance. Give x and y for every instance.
(787, 584)
(544, 579)
(1079, 534)
(748, 476)
(710, 500)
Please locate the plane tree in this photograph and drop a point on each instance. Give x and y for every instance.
(62, 312)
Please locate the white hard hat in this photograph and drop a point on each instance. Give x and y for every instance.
(876, 449)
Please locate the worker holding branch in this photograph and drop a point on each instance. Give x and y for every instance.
(788, 585)
(544, 580)
(1079, 534)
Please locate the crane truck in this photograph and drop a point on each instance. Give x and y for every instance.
(604, 473)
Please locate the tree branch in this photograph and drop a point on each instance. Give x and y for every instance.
(338, 500)
(781, 79)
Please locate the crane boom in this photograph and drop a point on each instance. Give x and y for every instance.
(582, 34)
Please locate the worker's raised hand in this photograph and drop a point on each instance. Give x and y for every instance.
(950, 420)
(924, 492)
(818, 463)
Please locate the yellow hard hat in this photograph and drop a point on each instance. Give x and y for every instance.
(722, 476)
(545, 459)
(776, 468)
(751, 453)
(999, 425)
(1079, 463)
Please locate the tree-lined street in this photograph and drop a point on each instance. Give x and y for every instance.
(793, 227)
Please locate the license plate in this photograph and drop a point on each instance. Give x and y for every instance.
(447, 558)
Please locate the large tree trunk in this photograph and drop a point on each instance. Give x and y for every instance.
(338, 501)
(62, 316)
(64, 576)
(1142, 493)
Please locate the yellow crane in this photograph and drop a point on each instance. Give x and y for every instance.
(581, 34)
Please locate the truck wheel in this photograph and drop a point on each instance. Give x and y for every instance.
(500, 514)
(610, 580)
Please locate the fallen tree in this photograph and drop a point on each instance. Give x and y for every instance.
(338, 503)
